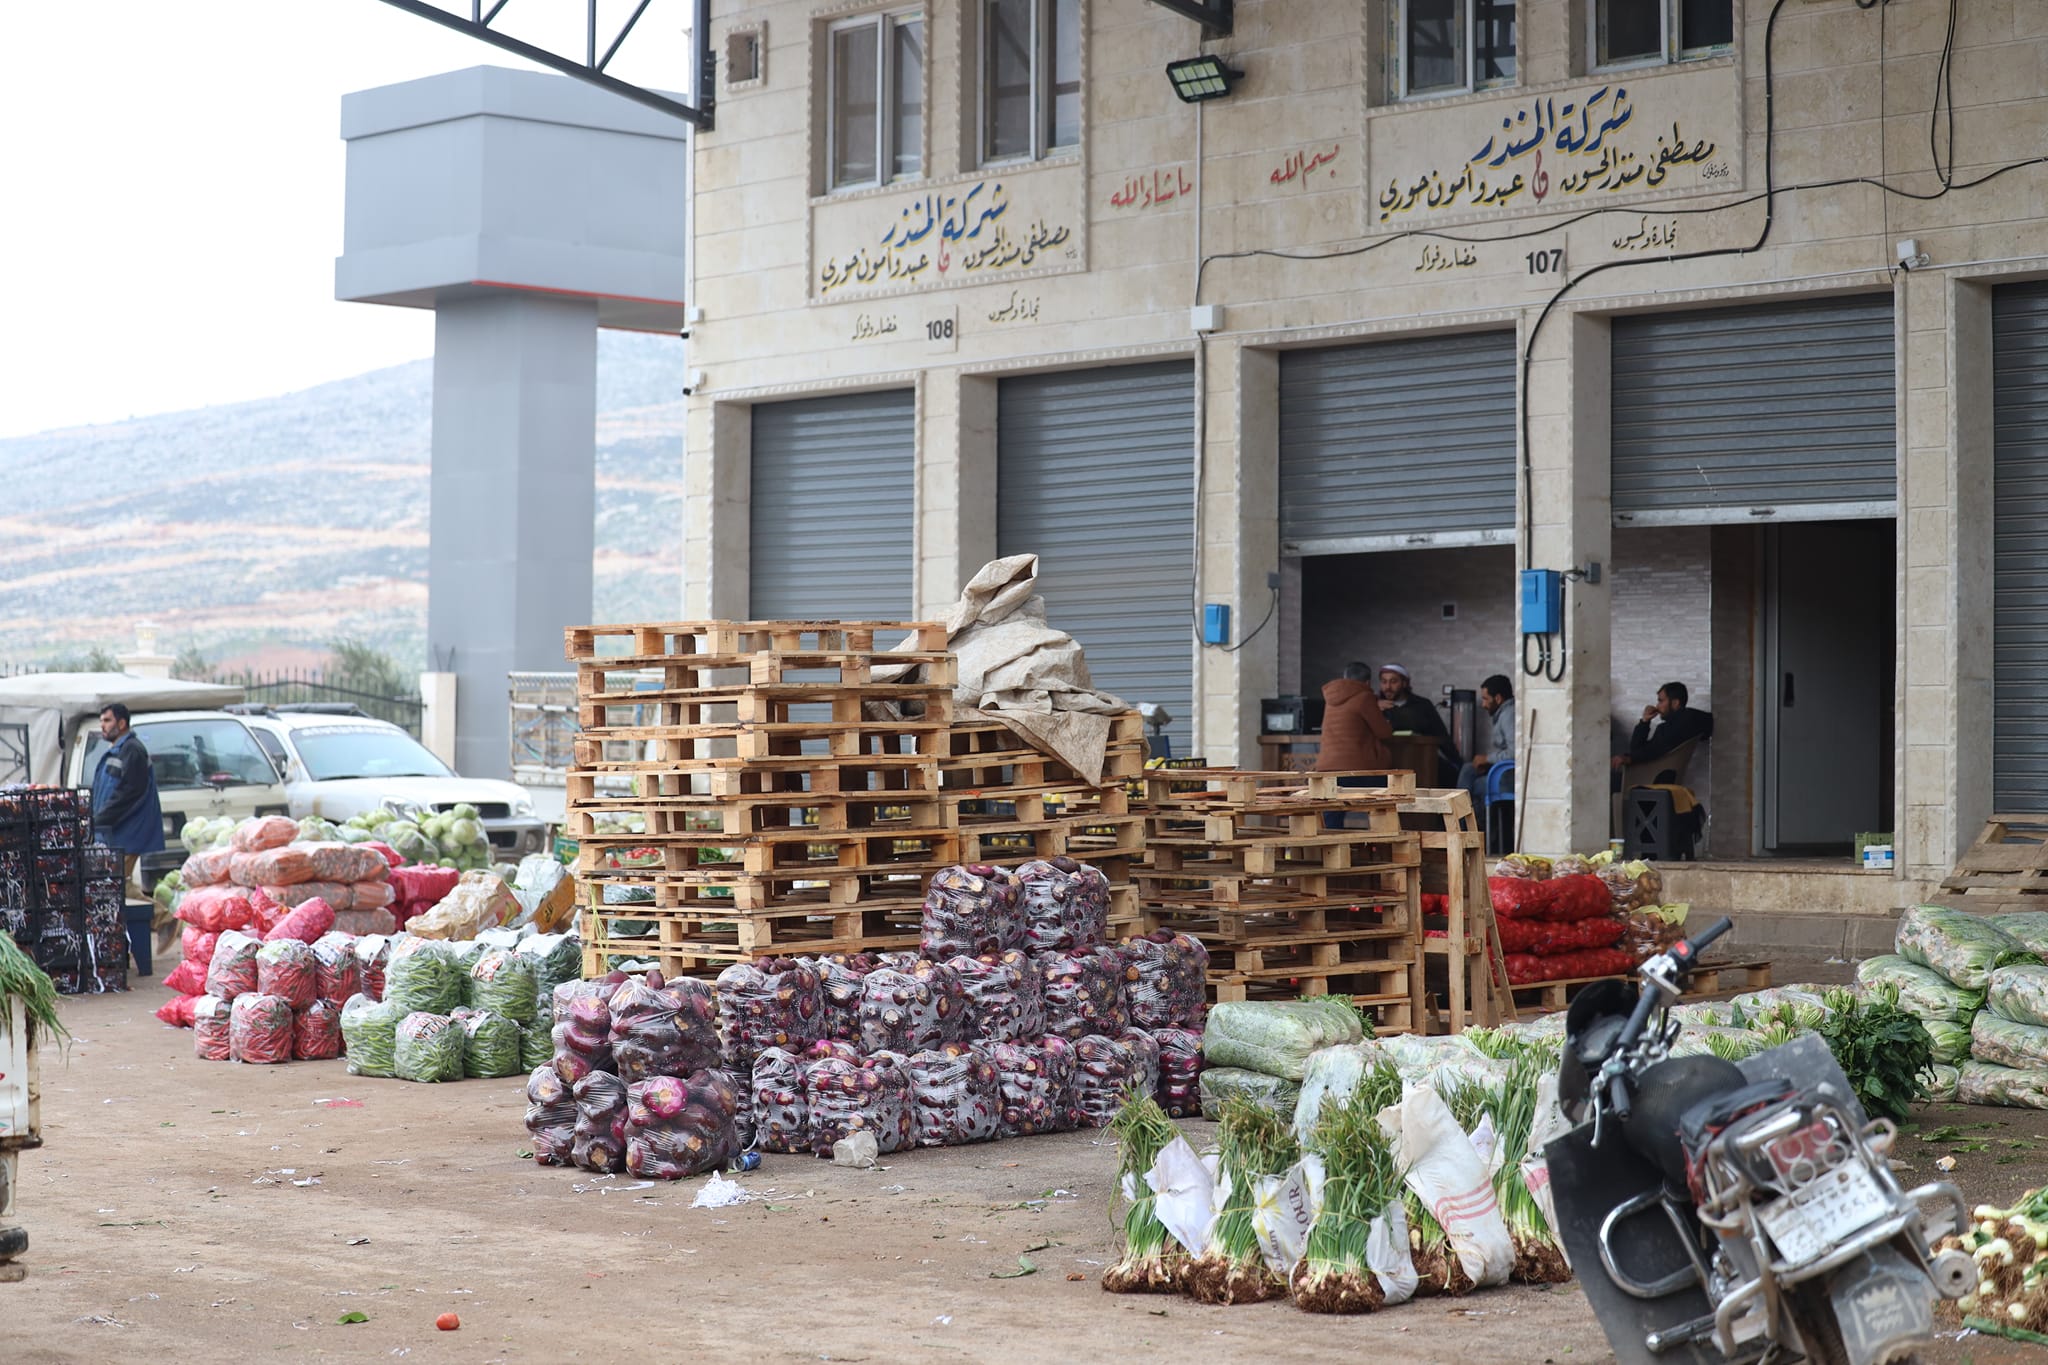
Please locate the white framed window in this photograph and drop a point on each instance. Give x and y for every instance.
(874, 99)
(1451, 46)
(1649, 32)
(1030, 69)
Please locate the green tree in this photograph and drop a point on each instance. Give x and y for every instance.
(98, 659)
(364, 668)
(191, 665)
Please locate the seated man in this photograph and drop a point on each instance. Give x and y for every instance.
(1663, 728)
(1497, 695)
(1417, 716)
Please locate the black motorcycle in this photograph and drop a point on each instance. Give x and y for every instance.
(1736, 1212)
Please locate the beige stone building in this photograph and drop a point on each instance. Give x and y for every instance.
(1438, 290)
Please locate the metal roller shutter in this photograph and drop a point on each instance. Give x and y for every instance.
(1725, 415)
(2019, 635)
(1095, 476)
(831, 508)
(1398, 443)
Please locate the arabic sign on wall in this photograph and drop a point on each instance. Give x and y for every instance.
(1587, 146)
(969, 232)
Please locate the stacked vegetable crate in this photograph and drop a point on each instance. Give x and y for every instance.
(61, 894)
(1286, 905)
(1012, 802)
(787, 776)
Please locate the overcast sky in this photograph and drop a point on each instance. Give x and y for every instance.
(171, 191)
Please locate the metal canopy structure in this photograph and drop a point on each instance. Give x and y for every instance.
(591, 66)
(1213, 15)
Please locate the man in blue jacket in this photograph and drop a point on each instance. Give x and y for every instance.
(125, 814)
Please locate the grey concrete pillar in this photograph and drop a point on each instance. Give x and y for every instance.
(515, 449)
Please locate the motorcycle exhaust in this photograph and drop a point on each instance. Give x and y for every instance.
(1955, 1273)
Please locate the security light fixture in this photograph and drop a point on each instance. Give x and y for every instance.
(1201, 78)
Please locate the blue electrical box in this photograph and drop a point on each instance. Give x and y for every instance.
(1215, 623)
(1542, 601)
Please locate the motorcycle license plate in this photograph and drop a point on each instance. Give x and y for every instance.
(1814, 1219)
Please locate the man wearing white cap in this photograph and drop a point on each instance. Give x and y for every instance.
(1406, 711)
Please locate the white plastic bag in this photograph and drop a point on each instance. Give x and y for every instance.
(1550, 1125)
(1332, 1073)
(1285, 1207)
(1446, 1173)
(1387, 1252)
(1184, 1186)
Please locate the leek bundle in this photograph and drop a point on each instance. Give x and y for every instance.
(1151, 1261)
(21, 978)
(1362, 1182)
(2010, 1247)
(1254, 1143)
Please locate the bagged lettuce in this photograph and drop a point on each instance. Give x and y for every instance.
(428, 1048)
(2029, 927)
(2019, 993)
(1923, 992)
(369, 1034)
(1986, 1083)
(556, 958)
(536, 1048)
(1274, 1094)
(1963, 947)
(1276, 1036)
(2004, 1043)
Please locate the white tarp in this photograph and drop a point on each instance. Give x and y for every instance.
(1017, 669)
(53, 704)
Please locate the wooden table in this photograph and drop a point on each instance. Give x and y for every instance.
(1416, 753)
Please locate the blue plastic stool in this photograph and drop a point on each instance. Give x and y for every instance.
(1496, 775)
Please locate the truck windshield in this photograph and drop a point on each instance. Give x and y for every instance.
(336, 753)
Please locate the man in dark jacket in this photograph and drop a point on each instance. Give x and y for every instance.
(1674, 722)
(125, 814)
(1418, 716)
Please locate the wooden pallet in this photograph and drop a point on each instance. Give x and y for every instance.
(788, 853)
(985, 753)
(1172, 789)
(746, 641)
(1708, 979)
(620, 715)
(808, 890)
(674, 746)
(741, 817)
(733, 779)
(1177, 856)
(2005, 869)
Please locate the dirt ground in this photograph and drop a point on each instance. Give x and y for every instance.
(166, 1217)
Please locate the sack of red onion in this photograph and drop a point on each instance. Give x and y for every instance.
(679, 1126)
(972, 909)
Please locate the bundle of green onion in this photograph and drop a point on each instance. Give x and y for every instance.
(1152, 1261)
(1362, 1181)
(1511, 1103)
(2011, 1250)
(1254, 1143)
(22, 979)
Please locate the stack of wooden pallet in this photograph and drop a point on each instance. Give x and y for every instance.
(1287, 905)
(786, 774)
(1011, 802)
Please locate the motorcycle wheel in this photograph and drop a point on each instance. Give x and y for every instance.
(1813, 1317)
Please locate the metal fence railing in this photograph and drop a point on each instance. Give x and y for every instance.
(298, 687)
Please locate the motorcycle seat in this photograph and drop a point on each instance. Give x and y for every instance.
(1707, 1119)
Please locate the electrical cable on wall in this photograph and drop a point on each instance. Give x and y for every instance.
(1547, 664)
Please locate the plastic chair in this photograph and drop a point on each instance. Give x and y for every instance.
(1499, 791)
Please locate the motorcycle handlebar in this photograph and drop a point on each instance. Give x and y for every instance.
(1617, 1096)
(1714, 931)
